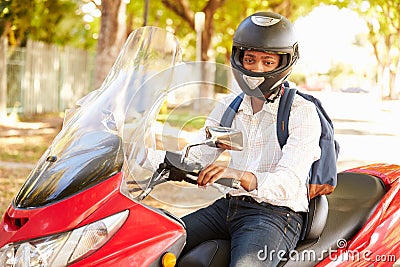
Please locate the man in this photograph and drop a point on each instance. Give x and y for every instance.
(262, 218)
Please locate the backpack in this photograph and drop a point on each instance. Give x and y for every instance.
(323, 172)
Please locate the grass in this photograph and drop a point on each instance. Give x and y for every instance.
(23, 149)
(182, 121)
(23, 141)
(19, 150)
(182, 118)
(11, 179)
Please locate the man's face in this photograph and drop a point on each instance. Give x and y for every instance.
(258, 61)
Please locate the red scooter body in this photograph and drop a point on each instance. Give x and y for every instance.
(82, 203)
(377, 243)
(145, 236)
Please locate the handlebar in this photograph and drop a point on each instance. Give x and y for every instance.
(228, 182)
(181, 171)
(192, 179)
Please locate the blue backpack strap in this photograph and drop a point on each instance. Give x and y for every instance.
(230, 112)
(282, 123)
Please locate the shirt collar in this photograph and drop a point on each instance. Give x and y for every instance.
(245, 106)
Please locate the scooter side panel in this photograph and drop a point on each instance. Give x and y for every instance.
(377, 242)
(144, 237)
(388, 173)
(58, 217)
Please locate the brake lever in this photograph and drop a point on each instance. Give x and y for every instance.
(154, 180)
(179, 170)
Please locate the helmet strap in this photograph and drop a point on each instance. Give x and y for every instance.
(274, 95)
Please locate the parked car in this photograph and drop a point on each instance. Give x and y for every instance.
(354, 90)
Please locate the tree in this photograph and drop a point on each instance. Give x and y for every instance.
(15, 20)
(56, 21)
(111, 38)
(383, 20)
(182, 8)
(233, 12)
(222, 18)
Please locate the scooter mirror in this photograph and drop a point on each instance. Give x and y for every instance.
(223, 137)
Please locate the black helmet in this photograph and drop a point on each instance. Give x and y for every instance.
(268, 32)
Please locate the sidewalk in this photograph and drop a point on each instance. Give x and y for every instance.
(367, 130)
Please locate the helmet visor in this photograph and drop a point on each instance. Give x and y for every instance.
(246, 62)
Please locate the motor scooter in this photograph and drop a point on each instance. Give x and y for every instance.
(83, 202)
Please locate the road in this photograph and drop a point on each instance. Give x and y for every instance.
(368, 130)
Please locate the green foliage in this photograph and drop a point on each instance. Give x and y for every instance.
(298, 78)
(56, 21)
(61, 21)
(226, 19)
(181, 119)
(383, 21)
(158, 15)
(14, 19)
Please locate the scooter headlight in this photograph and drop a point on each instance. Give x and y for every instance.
(62, 249)
(37, 252)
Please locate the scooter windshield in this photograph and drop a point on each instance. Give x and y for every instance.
(110, 126)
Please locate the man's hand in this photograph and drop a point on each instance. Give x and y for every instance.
(213, 172)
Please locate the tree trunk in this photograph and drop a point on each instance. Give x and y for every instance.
(112, 37)
(182, 9)
(393, 94)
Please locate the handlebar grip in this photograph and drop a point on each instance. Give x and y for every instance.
(223, 181)
(229, 182)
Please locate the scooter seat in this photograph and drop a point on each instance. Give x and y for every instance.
(350, 206)
(210, 253)
(315, 219)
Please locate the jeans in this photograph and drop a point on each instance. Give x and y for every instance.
(260, 234)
